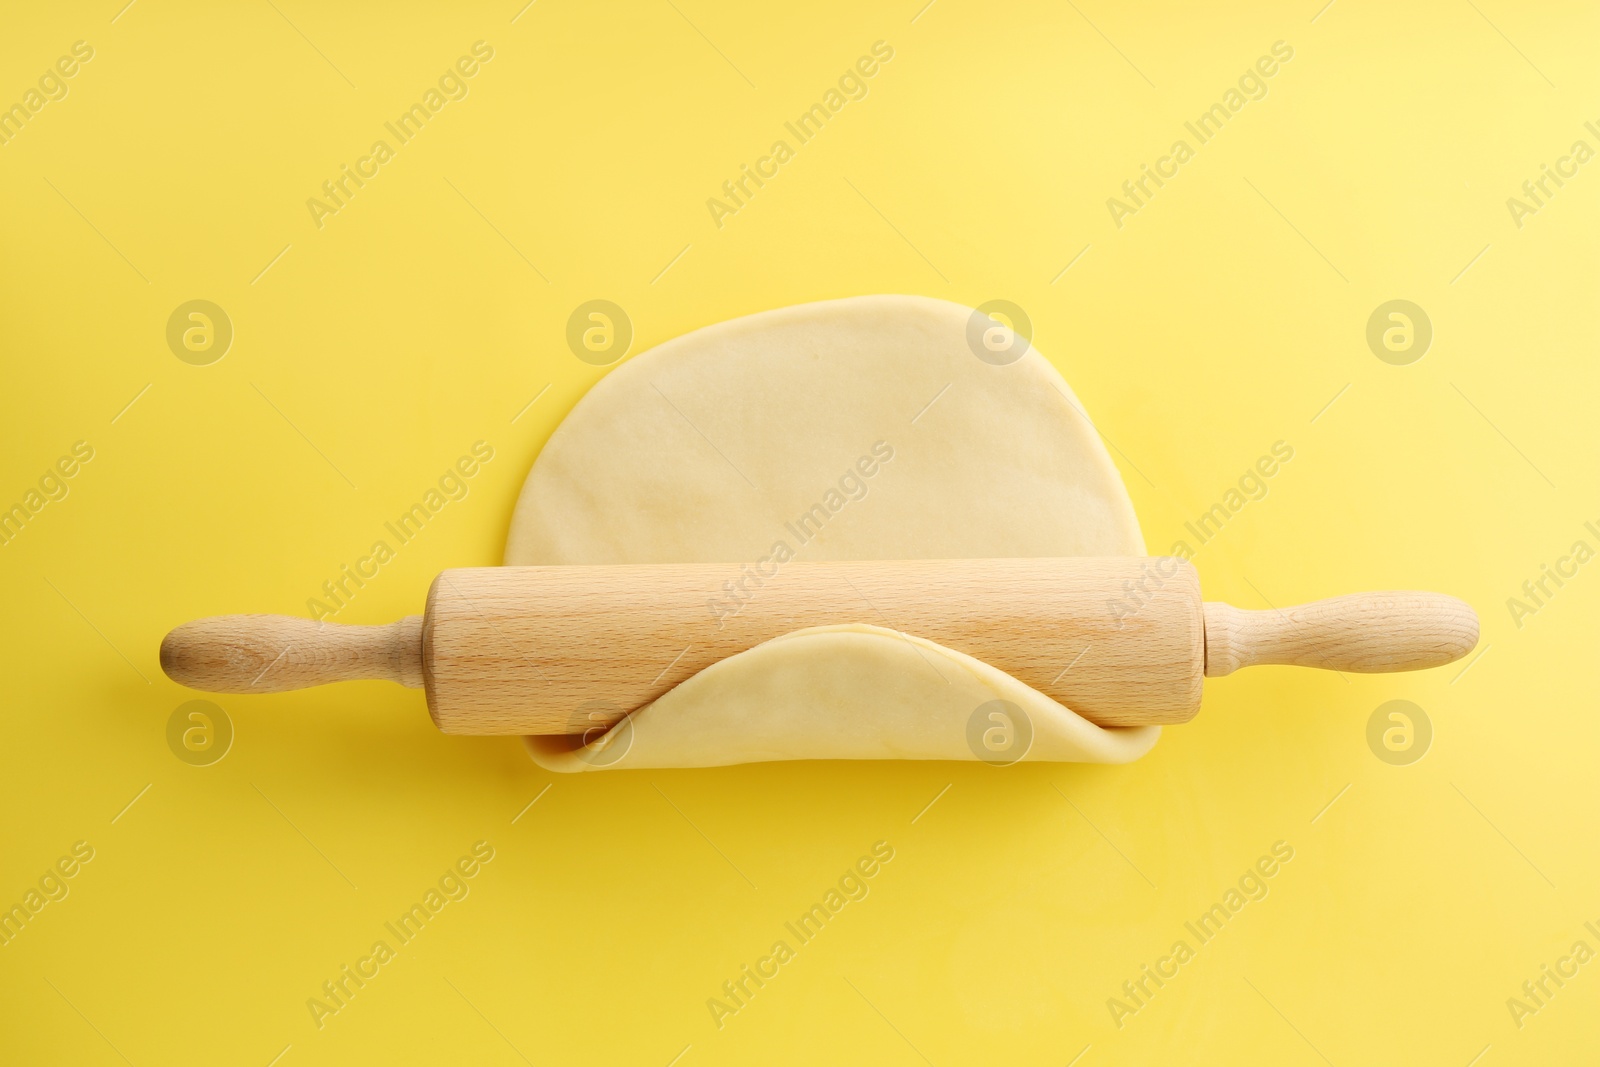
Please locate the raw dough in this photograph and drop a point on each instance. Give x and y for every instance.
(715, 446)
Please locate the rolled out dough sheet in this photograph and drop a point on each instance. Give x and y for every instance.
(863, 428)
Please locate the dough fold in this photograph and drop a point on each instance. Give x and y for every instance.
(863, 428)
(846, 692)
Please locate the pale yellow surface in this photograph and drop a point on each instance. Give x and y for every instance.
(1220, 319)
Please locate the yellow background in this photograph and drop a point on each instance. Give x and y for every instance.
(1221, 318)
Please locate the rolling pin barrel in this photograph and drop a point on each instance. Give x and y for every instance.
(558, 649)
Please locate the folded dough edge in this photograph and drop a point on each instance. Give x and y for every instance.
(843, 692)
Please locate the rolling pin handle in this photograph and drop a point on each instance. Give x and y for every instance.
(277, 653)
(1364, 633)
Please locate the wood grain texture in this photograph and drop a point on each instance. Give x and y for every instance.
(515, 650)
(276, 653)
(1364, 633)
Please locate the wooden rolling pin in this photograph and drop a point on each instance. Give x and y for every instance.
(547, 650)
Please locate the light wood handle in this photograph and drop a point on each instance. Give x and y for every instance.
(274, 653)
(1364, 633)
